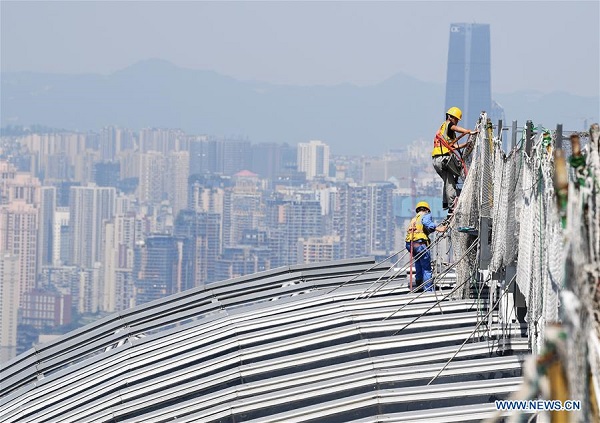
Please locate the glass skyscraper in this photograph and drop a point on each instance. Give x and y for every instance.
(468, 78)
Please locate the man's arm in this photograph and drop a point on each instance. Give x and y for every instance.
(428, 223)
(464, 132)
(457, 128)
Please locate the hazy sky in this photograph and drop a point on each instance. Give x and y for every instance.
(540, 45)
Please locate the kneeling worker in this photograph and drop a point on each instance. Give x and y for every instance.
(417, 239)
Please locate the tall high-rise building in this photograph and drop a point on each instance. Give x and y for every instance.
(61, 236)
(176, 179)
(89, 207)
(350, 220)
(117, 287)
(19, 236)
(243, 208)
(9, 302)
(363, 217)
(46, 226)
(289, 221)
(107, 141)
(152, 171)
(158, 267)
(58, 168)
(313, 159)
(113, 140)
(381, 218)
(63, 192)
(468, 78)
(203, 156)
(233, 156)
(266, 160)
(107, 174)
(85, 294)
(83, 170)
(20, 198)
(201, 234)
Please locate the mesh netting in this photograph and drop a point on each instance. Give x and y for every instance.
(467, 211)
(502, 181)
(581, 297)
(558, 266)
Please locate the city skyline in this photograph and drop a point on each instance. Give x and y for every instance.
(98, 222)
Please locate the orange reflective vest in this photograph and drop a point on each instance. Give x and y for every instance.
(442, 143)
(415, 229)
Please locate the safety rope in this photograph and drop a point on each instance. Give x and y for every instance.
(473, 331)
(395, 274)
(445, 272)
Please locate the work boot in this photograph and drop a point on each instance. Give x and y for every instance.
(416, 285)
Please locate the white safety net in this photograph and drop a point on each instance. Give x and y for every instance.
(557, 261)
(580, 300)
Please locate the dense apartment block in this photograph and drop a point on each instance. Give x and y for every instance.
(46, 308)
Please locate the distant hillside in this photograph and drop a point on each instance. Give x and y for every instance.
(155, 93)
(550, 109)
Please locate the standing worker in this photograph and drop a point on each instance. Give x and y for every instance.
(444, 160)
(417, 243)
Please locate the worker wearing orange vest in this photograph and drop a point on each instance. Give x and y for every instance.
(417, 243)
(444, 145)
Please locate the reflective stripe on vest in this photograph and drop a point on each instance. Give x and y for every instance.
(415, 229)
(441, 142)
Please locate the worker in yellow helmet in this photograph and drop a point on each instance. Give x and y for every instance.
(417, 243)
(443, 156)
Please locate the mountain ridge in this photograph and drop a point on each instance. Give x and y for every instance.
(351, 119)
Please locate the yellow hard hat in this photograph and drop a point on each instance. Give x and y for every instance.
(455, 111)
(422, 204)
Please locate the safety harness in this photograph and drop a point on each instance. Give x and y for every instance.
(440, 142)
(415, 230)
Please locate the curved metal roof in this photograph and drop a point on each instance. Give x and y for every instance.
(292, 344)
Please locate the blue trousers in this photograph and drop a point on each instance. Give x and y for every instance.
(422, 261)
